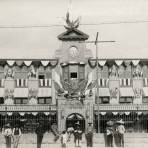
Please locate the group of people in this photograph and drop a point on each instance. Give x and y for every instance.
(115, 133)
(11, 134)
(77, 132)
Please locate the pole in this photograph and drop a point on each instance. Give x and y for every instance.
(96, 43)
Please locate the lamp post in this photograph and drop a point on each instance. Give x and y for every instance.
(97, 61)
(137, 107)
(6, 114)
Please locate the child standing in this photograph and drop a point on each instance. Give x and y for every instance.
(64, 139)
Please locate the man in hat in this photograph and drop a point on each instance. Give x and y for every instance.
(89, 135)
(7, 132)
(54, 129)
(109, 133)
(121, 130)
(16, 135)
(40, 131)
(77, 135)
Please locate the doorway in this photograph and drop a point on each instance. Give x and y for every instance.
(73, 118)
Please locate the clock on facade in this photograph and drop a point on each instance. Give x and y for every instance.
(74, 52)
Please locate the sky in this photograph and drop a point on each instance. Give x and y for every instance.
(131, 39)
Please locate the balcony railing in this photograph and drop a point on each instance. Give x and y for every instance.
(123, 107)
(27, 108)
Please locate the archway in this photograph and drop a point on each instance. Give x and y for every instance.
(73, 118)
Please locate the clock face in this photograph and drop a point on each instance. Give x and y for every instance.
(74, 52)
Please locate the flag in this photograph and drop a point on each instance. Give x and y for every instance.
(58, 88)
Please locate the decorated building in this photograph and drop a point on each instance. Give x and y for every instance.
(65, 89)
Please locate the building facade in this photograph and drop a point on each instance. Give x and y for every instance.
(64, 89)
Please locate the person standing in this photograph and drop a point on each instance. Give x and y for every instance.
(16, 136)
(121, 130)
(64, 139)
(7, 132)
(78, 135)
(70, 130)
(40, 131)
(109, 134)
(89, 135)
(54, 129)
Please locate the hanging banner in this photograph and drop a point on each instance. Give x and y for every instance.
(45, 63)
(118, 62)
(135, 62)
(10, 62)
(27, 63)
(102, 62)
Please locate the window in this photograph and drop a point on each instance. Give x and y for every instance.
(21, 100)
(73, 75)
(105, 100)
(125, 100)
(145, 100)
(66, 73)
(44, 100)
(1, 100)
(41, 76)
(81, 72)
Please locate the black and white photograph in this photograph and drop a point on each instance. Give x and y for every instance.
(73, 73)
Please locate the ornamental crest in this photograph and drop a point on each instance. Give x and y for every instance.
(114, 92)
(137, 72)
(138, 92)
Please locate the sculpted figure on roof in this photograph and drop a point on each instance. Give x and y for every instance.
(70, 23)
(9, 73)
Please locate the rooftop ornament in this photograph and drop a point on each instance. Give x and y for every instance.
(71, 24)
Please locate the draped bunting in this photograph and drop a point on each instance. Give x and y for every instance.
(45, 63)
(118, 62)
(135, 62)
(34, 113)
(9, 113)
(103, 113)
(10, 62)
(46, 113)
(127, 113)
(102, 62)
(139, 113)
(115, 113)
(27, 63)
(22, 113)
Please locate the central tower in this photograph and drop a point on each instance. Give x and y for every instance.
(73, 57)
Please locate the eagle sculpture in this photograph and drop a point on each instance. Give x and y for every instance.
(71, 24)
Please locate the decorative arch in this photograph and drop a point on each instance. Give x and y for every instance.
(74, 118)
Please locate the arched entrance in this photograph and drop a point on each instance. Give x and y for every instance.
(73, 118)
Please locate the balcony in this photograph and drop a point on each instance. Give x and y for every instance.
(123, 107)
(27, 108)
